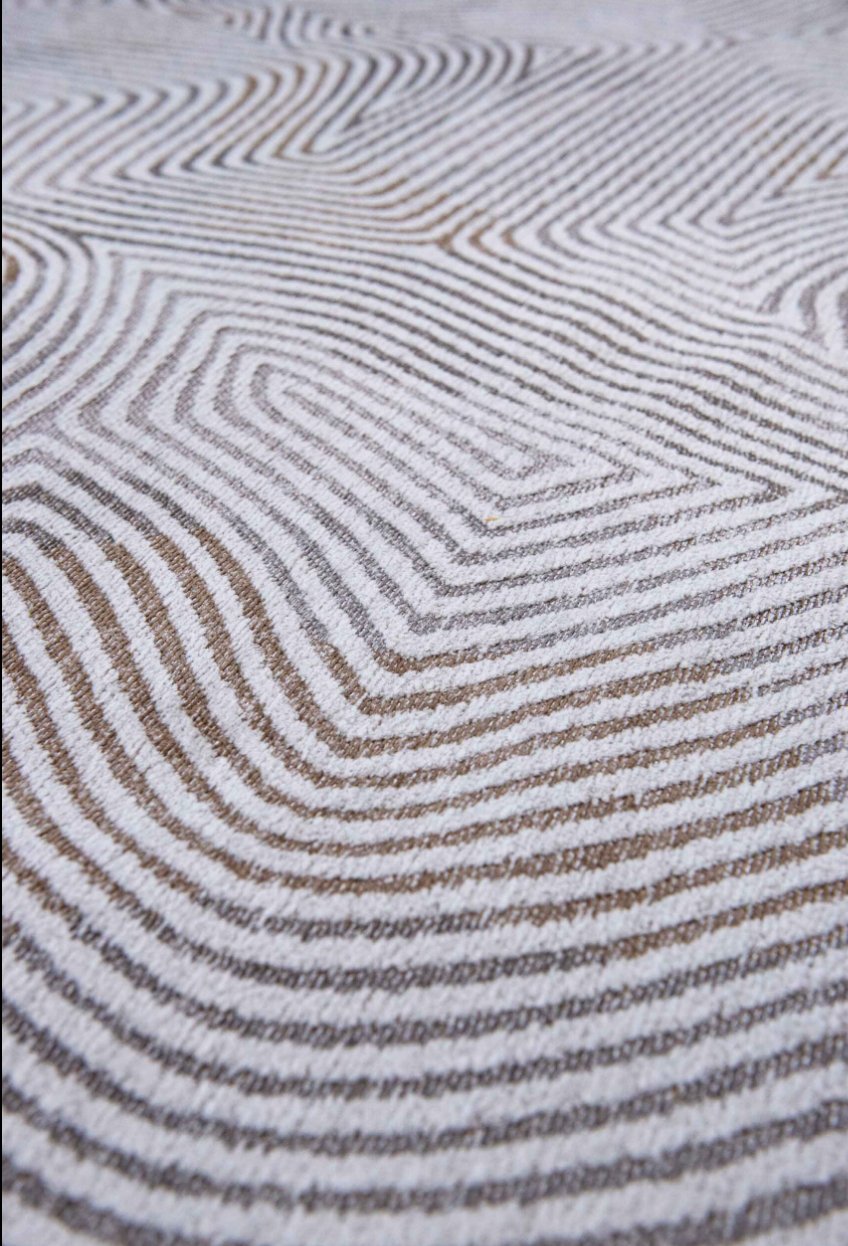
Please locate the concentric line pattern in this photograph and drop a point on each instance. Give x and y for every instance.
(425, 627)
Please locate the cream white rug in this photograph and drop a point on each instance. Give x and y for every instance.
(426, 441)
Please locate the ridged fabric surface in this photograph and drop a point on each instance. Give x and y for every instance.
(426, 441)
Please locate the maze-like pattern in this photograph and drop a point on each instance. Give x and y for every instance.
(426, 443)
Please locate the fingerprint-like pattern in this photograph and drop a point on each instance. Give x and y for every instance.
(426, 443)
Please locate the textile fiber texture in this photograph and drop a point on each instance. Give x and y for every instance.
(425, 623)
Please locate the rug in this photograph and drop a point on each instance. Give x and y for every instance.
(426, 519)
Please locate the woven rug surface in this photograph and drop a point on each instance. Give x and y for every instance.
(425, 624)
